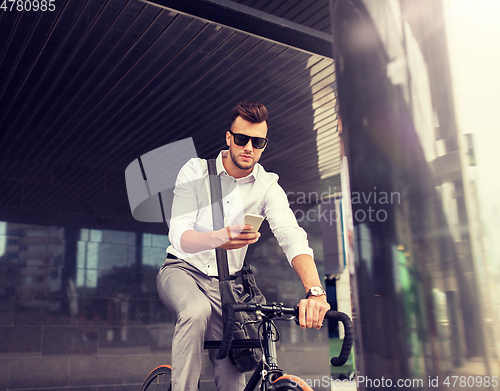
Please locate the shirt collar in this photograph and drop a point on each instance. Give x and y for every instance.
(221, 170)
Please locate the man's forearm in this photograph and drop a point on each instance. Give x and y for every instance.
(306, 269)
(228, 238)
(194, 242)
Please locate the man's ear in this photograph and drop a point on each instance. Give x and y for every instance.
(228, 138)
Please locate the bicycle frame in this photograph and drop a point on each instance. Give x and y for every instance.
(269, 358)
(267, 370)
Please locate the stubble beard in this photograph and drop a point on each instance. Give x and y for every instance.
(234, 158)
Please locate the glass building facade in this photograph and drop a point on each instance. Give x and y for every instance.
(424, 298)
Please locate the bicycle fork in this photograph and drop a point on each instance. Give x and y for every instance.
(268, 363)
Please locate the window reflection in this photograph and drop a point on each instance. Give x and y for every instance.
(87, 258)
(59, 270)
(3, 238)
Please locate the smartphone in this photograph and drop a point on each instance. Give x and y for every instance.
(255, 220)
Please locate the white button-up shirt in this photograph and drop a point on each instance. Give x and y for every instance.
(256, 193)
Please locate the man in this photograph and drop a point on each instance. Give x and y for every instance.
(187, 282)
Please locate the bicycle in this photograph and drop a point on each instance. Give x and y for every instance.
(267, 373)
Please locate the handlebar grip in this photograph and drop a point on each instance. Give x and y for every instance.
(228, 331)
(348, 339)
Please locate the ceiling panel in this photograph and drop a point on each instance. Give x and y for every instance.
(95, 84)
(310, 13)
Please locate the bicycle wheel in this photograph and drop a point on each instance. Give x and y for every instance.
(290, 383)
(158, 379)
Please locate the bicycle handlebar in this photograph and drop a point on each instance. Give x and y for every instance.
(278, 310)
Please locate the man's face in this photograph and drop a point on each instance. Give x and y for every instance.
(245, 157)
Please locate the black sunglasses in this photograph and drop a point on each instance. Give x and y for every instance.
(242, 140)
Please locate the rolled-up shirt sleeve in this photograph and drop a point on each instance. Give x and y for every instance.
(290, 236)
(185, 203)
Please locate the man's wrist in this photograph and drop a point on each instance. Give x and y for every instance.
(316, 291)
(216, 238)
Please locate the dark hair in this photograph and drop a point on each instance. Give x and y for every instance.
(250, 111)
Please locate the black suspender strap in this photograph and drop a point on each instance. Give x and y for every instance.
(218, 218)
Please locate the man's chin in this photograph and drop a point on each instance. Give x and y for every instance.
(242, 165)
(246, 167)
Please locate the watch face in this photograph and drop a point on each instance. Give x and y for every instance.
(316, 291)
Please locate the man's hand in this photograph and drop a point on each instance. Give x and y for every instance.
(234, 237)
(312, 311)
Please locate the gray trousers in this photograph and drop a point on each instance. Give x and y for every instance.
(194, 299)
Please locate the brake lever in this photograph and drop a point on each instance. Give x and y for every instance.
(296, 315)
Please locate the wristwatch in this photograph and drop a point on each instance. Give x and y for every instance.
(316, 291)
